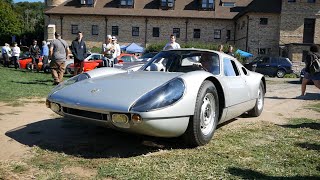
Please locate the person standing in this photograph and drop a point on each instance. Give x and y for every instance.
(172, 44)
(230, 51)
(6, 54)
(44, 53)
(315, 77)
(220, 48)
(108, 49)
(79, 51)
(58, 53)
(117, 49)
(35, 54)
(15, 55)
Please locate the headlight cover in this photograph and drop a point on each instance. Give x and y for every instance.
(70, 81)
(160, 97)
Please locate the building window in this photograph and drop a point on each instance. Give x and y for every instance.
(115, 30)
(196, 33)
(263, 21)
(167, 4)
(95, 30)
(155, 32)
(87, 2)
(291, 0)
(262, 51)
(229, 4)
(311, 1)
(74, 29)
(126, 3)
(135, 31)
(217, 34)
(228, 34)
(207, 4)
(176, 32)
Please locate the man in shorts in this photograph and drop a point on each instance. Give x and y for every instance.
(58, 52)
(79, 51)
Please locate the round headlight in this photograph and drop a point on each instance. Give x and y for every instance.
(160, 97)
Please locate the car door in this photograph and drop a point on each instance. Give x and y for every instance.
(263, 65)
(235, 88)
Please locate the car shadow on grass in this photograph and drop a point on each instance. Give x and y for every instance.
(87, 140)
(40, 82)
(309, 146)
(251, 174)
(315, 126)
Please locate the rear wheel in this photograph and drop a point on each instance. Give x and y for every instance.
(281, 73)
(257, 110)
(68, 69)
(29, 66)
(204, 122)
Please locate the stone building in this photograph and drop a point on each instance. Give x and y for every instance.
(271, 27)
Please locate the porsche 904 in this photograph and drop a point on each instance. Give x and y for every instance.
(182, 92)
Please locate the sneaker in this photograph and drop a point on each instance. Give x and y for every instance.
(55, 83)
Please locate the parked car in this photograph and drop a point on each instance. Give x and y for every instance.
(125, 58)
(25, 61)
(172, 95)
(92, 61)
(147, 56)
(271, 66)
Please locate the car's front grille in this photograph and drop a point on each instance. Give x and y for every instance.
(87, 114)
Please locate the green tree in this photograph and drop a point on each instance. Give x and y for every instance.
(10, 24)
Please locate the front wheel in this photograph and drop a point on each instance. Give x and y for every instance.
(281, 73)
(257, 110)
(203, 123)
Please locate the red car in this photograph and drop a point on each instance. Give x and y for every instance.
(125, 58)
(93, 61)
(25, 61)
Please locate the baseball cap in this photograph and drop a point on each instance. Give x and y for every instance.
(114, 38)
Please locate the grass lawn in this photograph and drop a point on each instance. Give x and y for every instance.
(19, 83)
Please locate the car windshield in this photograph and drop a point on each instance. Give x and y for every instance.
(184, 61)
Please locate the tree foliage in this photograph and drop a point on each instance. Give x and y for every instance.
(10, 24)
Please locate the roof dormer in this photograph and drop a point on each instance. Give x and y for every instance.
(167, 4)
(206, 5)
(126, 3)
(87, 2)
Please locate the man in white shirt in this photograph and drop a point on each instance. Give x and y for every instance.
(108, 50)
(172, 44)
(117, 50)
(15, 55)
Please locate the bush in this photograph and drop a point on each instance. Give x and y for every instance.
(95, 49)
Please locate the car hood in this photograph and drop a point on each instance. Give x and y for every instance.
(111, 93)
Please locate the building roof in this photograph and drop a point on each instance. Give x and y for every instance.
(260, 6)
(147, 8)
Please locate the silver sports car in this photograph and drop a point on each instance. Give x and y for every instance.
(182, 92)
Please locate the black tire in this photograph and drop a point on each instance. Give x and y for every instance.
(257, 110)
(29, 66)
(281, 73)
(46, 69)
(203, 123)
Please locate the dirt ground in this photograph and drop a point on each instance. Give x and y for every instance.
(33, 124)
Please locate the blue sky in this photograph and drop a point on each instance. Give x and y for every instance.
(15, 1)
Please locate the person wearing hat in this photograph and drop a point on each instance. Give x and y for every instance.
(79, 51)
(108, 49)
(59, 50)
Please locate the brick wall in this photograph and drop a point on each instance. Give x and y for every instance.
(292, 21)
(125, 25)
(259, 36)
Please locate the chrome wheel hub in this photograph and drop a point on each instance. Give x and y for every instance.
(207, 114)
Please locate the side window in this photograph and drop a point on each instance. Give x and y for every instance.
(265, 60)
(244, 70)
(274, 60)
(230, 67)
